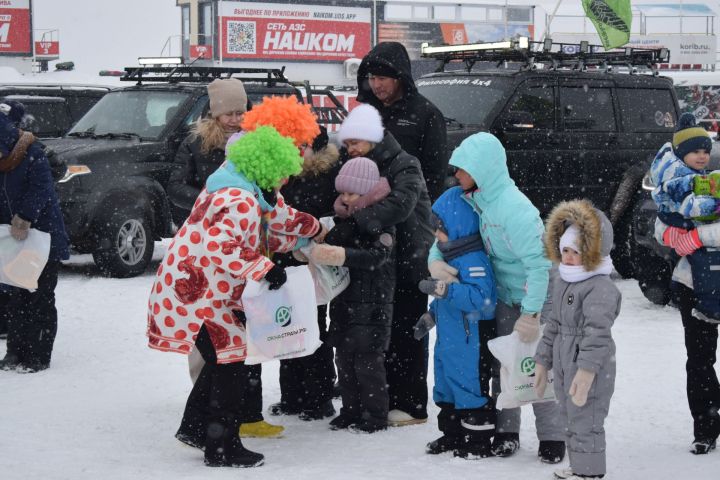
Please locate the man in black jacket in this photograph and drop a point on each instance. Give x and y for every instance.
(385, 82)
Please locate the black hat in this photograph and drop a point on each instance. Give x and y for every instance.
(689, 136)
(382, 70)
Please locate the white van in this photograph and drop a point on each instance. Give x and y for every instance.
(699, 93)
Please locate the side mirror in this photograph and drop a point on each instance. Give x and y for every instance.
(518, 120)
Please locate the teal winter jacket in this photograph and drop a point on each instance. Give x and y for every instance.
(510, 225)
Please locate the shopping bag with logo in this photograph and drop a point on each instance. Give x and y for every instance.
(517, 371)
(282, 323)
(22, 261)
(329, 280)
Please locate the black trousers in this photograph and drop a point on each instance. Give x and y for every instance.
(229, 391)
(406, 361)
(307, 382)
(32, 318)
(363, 385)
(703, 389)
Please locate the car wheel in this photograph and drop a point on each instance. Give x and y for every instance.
(653, 274)
(125, 244)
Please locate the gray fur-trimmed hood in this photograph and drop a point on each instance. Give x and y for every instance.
(596, 234)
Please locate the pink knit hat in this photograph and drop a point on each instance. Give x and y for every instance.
(359, 175)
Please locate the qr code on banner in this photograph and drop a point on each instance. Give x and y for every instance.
(241, 37)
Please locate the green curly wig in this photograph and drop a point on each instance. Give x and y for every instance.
(265, 157)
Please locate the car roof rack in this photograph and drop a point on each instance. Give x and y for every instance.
(529, 54)
(198, 74)
(327, 115)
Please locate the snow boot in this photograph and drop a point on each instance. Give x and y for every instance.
(10, 362)
(342, 422)
(191, 440)
(505, 444)
(701, 446)
(280, 408)
(551, 451)
(261, 429)
(31, 367)
(223, 448)
(324, 410)
(365, 426)
(567, 474)
(398, 418)
(446, 443)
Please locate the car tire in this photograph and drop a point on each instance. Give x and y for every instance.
(125, 244)
(623, 255)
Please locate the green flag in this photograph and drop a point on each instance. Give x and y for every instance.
(612, 20)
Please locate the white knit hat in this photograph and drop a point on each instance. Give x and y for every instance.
(570, 238)
(362, 123)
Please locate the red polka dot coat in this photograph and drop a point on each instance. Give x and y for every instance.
(226, 239)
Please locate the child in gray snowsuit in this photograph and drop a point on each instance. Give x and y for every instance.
(576, 343)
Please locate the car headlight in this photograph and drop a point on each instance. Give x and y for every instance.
(647, 183)
(74, 171)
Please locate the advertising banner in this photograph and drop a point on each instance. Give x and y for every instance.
(684, 49)
(47, 49)
(413, 34)
(15, 28)
(201, 51)
(269, 31)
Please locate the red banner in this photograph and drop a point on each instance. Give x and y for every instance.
(294, 32)
(15, 27)
(47, 49)
(201, 51)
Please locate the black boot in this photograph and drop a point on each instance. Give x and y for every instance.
(223, 447)
(701, 446)
(281, 408)
(324, 410)
(10, 362)
(551, 451)
(505, 444)
(446, 443)
(342, 422)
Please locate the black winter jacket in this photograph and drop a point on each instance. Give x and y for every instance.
(361, 315)
(188, 179)
(407, 207)
(413, 120)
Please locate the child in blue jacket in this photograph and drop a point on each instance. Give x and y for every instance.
(464, 312)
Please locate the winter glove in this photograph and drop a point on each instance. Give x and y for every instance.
(671, 235)
(528, 327)
(327, 255)
(687, 243)
(440, 270)
(276, 277)
(580, 386)
(425, 323)
(541, 378)
(436, 288)
(19, 228)
(707, 184)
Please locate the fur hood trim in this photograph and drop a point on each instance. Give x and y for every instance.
(595, 238)
(316, 163)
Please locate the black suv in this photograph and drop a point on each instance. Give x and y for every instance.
(571, 129)
(52, 109)
(120, 157)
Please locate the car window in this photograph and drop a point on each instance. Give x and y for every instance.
(140, 112)
(538, 104)
(647, 109)
(197, 111)
(467, 100)
(44, 119)
(587, 108)
(80, 104)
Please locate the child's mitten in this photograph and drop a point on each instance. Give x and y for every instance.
(528, 327)
(324, 254)
(580, 386)
(541, 377)
(436, 288)
(425, 323)
(688, 242)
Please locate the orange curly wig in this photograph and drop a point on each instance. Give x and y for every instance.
(290, 118)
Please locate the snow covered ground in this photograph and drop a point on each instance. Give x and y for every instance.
(109, 407)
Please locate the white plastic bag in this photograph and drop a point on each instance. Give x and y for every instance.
(329, 280)
(22, 261)
(282, 323)
(517, 371)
